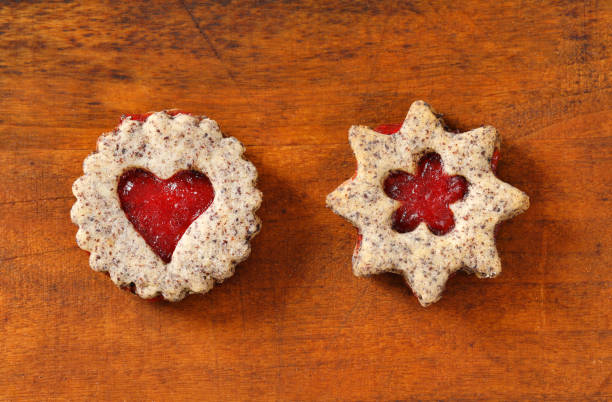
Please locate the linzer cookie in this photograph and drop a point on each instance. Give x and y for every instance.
(166, 205)
(426, 201)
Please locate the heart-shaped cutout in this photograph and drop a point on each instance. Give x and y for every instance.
(162, 210)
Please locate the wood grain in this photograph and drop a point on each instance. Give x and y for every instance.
(288, 79)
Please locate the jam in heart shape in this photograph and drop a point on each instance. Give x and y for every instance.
(162, 210)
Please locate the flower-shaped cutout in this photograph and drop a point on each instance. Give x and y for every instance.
(460, 237)
(425, 197)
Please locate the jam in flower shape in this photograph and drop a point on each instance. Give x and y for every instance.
(166, 205)
(425, 197)
(426, 217)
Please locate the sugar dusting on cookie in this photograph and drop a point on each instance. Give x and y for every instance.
(426, 259)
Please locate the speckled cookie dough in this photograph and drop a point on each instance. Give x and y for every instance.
(424, 259)
(212, 245)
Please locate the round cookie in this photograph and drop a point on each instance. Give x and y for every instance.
(166, 205)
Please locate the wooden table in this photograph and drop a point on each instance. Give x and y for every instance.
(288, 79)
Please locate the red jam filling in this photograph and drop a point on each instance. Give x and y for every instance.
(394, 128)
(143, 116)
(495, 160)
(389, 129)
(425, 197)
(162, 210)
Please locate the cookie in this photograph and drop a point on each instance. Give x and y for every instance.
(166, 205)
(426, 201)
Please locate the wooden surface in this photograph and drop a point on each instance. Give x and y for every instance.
(288, 79)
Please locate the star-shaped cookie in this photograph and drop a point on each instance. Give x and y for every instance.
(424, 257)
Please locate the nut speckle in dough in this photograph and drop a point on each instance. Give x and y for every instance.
(214, 243)
(424, 259)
